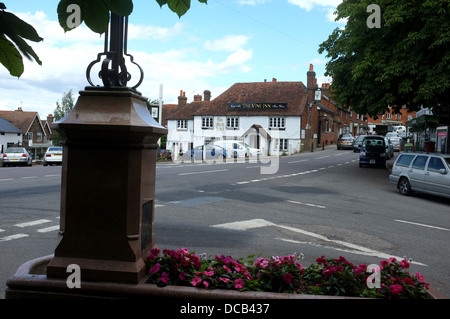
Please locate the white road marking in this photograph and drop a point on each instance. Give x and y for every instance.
(12, 237)
(258, 223)
(423, 225)
(48, 229)
(300, 161)
(33, 223)
(322, 157)
(306, 204)
(245, 225)
(203, 172)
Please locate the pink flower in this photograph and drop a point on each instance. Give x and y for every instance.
(287, 278)
(165, 277)
(419, 277)
(395, 289)
(404, 264)
(238, 283)
(225, 280)
(182, 276)
(154, 269)
(209, 273)
(206, 284)
(196, 281)
(384, 263)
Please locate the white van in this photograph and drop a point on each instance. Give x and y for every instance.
(237, 148)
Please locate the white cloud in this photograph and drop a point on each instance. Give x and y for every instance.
(308, 5)
(65, 57)
(227, 43)
(252, 2)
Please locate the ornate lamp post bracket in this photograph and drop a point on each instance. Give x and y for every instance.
(114, 73)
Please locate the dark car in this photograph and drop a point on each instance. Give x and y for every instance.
(357, 143)
(373, 151)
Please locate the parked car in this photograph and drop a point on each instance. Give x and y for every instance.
(206, 152)
(425, 173)
(373, 151)
(237, 148)
(357, 143)
(396, 140)
(15, 156)
(389, 148)
(345, 142)
(53, 155)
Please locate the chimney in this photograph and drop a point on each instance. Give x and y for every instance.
(19, 109)
(50, 119)
(197, 98)
(182, 99)
(207, 95)
(311, 78)
(274, 80)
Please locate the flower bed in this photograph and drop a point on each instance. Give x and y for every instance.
(336, 277)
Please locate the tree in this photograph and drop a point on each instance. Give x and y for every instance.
(404, 61)
(62, 109)
(13, 32)
(95, 14)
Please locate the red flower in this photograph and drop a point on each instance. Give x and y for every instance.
(287, 278)
(408, 281)
(395, 289)
(404, 264)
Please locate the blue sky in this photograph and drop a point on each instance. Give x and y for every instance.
(212, 47)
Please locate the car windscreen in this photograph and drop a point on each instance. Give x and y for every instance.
(371, 142)
(14, 150)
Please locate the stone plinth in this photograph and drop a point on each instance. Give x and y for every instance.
(108, 187)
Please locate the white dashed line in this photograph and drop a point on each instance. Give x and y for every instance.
(48, 229)
(423, 225)
(12, 237)
(33, 223)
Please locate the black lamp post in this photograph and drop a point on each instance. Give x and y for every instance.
(114, 73)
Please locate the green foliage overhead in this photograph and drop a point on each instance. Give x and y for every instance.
(95, 14)
(13, 33)
(404, 62)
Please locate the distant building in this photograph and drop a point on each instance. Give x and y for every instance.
(9, 135)
(36, 134)
(274, 116)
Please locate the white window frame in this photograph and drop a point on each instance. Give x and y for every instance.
(277, 122)
(182, 124)
(207, 122)
(232, 122)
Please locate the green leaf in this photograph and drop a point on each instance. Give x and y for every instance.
(63, 15)
(96, 15)
(26, 50)
(120, 7)
(10, 57)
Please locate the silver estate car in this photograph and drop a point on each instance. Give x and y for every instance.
(426, 173)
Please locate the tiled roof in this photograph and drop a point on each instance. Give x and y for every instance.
(21, 119)
(292, 93)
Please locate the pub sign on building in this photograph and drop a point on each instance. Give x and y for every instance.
(274, 116)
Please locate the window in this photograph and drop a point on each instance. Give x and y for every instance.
(399, 116)
(405, 160)
(182, 124)
(388, 116)
(39, 137)
(435, 164)
(277, 122)
(283, 144)
(30, 136)
(419, 162)
(207, 122)
(232, 122)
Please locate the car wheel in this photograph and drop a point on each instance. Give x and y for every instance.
(404, 187)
